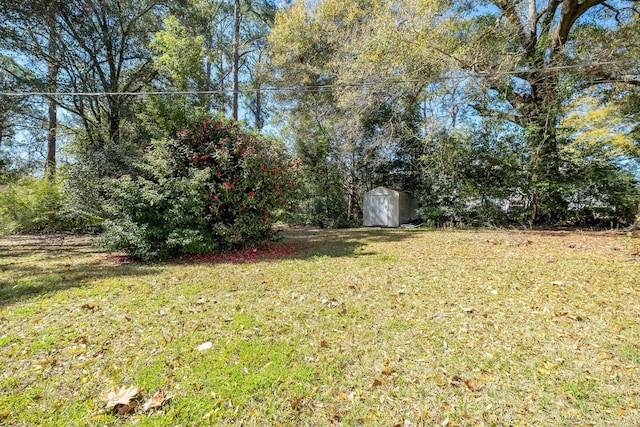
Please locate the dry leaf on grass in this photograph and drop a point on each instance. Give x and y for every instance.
(376, 383)
(295, 403)
(120, 396)
(125, 409)
(569, 316)
(331, 303)
(472, 385)
(455, 380)
(350, 397)
(157, 400)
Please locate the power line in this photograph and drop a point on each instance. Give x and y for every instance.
(315, 88)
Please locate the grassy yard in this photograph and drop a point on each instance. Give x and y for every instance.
(355, 327)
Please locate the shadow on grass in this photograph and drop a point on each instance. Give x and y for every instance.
(343, 242)
(32, 266)
(301, 244)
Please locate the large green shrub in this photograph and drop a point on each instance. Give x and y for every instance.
(211, 188)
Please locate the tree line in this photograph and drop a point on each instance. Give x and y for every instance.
(491, 112)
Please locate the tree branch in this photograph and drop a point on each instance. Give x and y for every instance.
(570, 13)
(502, 115)
(508, 8)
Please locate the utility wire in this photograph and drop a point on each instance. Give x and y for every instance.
(315, 88)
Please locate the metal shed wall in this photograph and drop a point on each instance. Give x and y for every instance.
(384, 207)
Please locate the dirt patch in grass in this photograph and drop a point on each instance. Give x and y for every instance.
(352, 327)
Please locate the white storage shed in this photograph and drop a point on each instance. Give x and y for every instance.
(385, 207)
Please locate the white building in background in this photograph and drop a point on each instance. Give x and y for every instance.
(385, 207)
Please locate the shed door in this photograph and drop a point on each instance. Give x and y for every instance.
(381, 203)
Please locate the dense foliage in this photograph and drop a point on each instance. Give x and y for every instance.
(487, 89)
(34, 205)
(211, 188)
(498, 112)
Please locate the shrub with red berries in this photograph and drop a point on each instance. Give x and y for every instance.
(211, 188)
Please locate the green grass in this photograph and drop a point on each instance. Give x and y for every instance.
(363, 327)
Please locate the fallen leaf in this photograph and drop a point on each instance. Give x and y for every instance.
(91, 307)
(347, 397)
(295, 403)
(455, 381)
(125, 409)
(204, 346)
(4, 415)
(569, 316)
(471, 385)
(440, 380)
(120, 396)
(388, 372)
(252, 412)
(376, 383)
(157, 400)
(331, 303)
(324, 344)
(49, 361)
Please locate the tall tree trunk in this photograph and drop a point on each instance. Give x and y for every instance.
(3, 127)
(548, 203)
(52, 138)
(538, 112)
(206, 100)
(258, 112)
(236, 57)
(114, 119)
(52, 77)
(352, 186)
